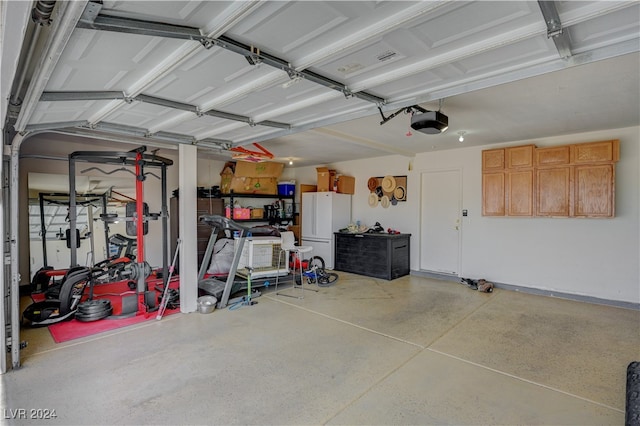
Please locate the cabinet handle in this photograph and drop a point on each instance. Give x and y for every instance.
(359, 236)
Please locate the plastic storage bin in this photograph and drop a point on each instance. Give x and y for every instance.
(286, 188)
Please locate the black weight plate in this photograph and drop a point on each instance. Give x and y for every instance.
(94, 306)
(93, 310)
(94, 317)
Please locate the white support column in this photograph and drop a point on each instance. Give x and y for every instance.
(187, 182)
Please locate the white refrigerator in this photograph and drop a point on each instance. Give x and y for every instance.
(324, 213)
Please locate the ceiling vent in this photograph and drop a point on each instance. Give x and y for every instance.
(385, 56)
(430, 122)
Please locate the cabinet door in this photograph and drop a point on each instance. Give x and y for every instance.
(519, 156)
(594, 190)
(552, 156)
(553, 191)
(593, 152)
(492, 159)
(520, 193)
(493, 194)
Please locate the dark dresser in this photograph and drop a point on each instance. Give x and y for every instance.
(374, 255)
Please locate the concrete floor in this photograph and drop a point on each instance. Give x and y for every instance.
(364, 351)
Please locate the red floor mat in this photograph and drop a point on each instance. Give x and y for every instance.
(74, 329)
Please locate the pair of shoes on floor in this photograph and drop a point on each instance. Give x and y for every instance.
(480, 285)
(470, 283)
(485, 286)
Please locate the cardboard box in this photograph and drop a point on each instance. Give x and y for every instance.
(250, 178)
(346, 184)
(257, 213)
(251, 185)
(226, 177)
(308, 188)
(264, 169)
(326, 179)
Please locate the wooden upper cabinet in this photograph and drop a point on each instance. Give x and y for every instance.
(552, 156)
(595, 152)
(520, 193)
(553, 191)
(560, 181)
(594, 190)
(492, 160)
(507, 181)
(493, 194)
(519, 156)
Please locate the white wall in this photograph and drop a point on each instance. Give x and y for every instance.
(209, 172)
(589, 257)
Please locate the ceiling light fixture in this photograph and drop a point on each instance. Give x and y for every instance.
(461, 138)
(290, 162)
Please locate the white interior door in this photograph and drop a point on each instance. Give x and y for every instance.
(440, 226)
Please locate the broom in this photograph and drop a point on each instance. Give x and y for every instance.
(165, 293)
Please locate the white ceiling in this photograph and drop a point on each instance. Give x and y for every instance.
(491, 67)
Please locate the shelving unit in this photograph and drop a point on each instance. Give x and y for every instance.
(288, 218)
(215, 206)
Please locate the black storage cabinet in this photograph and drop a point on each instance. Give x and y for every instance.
(374, 255)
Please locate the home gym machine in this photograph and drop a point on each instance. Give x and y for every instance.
(137, 216)
(62, 199)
